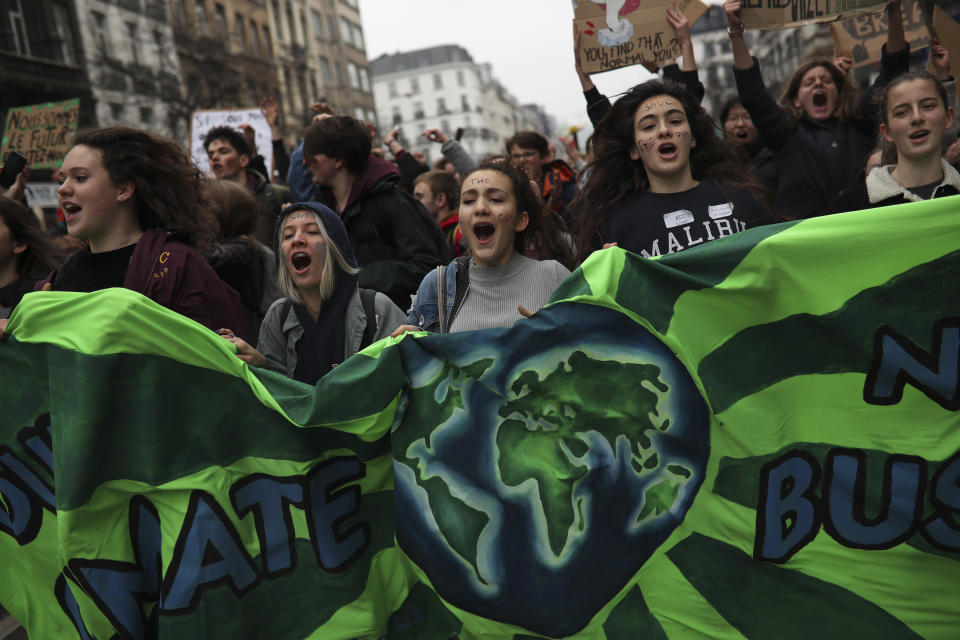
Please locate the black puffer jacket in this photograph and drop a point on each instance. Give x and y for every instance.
(395, 240)
(813, 160)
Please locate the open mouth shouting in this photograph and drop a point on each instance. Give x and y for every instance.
(483, 231)
(667, 150)
(820, 99)
(300, 261)
(741, 134)
(70, 210)
(920, 136)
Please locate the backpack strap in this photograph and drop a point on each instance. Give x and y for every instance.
(463, 283)
(368, 301)
(285, 311)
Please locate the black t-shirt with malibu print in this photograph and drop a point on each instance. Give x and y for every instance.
(656, 224)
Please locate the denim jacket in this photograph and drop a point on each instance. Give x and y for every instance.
(426, 313)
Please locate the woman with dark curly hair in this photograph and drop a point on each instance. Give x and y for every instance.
(26, 254)
(514, 263)
(661, 180)
(822, 130)
(137, 200)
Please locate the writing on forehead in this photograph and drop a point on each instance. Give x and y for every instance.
(650, 106)
(480, 181)
(298, 215)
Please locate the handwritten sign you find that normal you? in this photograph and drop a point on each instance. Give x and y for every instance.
(202, 121)
(41, 132)
(777, 14)
(621, 33)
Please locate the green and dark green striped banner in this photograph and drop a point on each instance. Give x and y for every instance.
(756, 438)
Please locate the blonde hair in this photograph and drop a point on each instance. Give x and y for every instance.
(328, 277)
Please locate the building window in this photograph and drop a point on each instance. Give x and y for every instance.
(146, 115)
(241, 32)
(99, 23)
(358, 113)
(346, 31)
(200, 11)
(134, 42)
(396, 115)
(180, 13)
(464, 103)
(437, 81)
(418, 111)
(116, 111)
(291, 22)
(317, 24)
(325, 72)
(461, 81)
(257, 46)
(392, 89)
(276, 19)
(303, 28)
(414, 86)
(220, 14)
(313, 85)
(332, 28)
(267, 42)
(353, 75)
(358, 37)
(65, 33)
(21, 43)
(339, 69)
(364, 80)
(442, 106)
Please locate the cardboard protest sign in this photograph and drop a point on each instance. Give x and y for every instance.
(861, 38)
(621, 33)
(41, 132)
(777, 14)
(202, 121)
(948, 30)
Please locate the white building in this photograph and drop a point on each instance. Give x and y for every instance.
(133, 67)
(443, 88)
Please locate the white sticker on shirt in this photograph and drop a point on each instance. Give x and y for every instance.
(677, 218)
(720, 210)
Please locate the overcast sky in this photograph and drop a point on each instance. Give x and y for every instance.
(528, 42)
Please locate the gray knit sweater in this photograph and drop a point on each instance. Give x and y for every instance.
(494, 292)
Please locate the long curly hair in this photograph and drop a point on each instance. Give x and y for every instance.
(168, 187)
(848, 109)
(614, 177)
(545, 236)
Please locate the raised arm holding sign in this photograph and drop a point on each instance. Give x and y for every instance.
(820, 133)
(598, 104)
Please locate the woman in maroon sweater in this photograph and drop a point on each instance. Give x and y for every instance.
(137, 200)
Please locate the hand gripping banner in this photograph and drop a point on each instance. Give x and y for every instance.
(756, 438)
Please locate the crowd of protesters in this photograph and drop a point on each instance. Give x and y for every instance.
(365, 240)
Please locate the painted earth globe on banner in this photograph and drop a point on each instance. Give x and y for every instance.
(557, 469)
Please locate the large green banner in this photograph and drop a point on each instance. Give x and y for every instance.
(756, 438)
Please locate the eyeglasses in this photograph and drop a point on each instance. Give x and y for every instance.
(526, 155)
